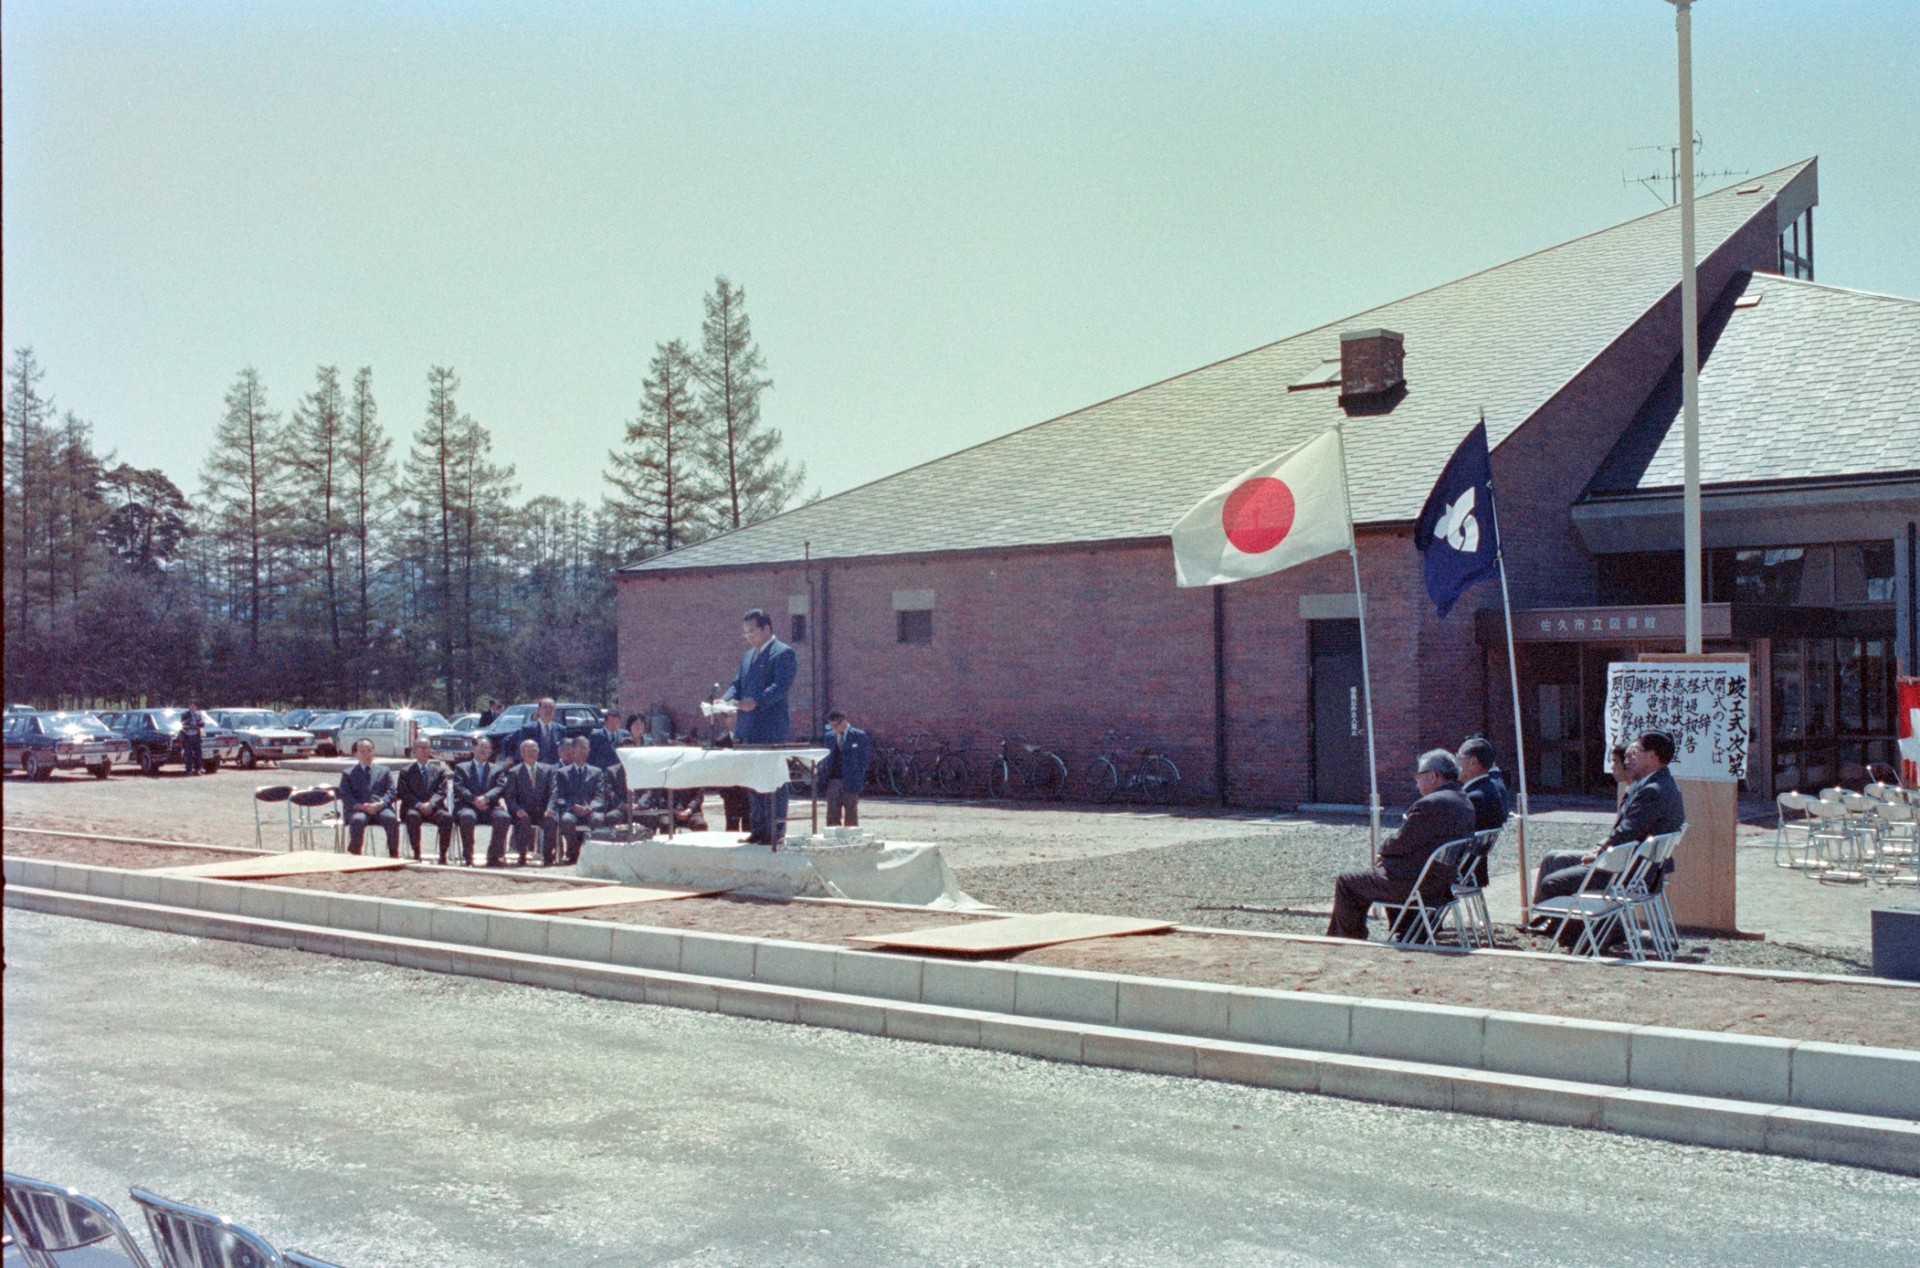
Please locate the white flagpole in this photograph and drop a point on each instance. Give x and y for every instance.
(1513, 674)
(1366, 673)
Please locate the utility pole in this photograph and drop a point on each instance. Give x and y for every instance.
(1689, 336)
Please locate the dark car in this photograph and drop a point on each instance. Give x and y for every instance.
(299, 718)
(325, 729)
(42, 743)
(155, 737)
(577, 719)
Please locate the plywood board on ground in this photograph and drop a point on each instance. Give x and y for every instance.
(548, 900)
(297, 863)
(1015, 933)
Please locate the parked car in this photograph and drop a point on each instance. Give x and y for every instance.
(264, 737)
(577, 719)
(391, 731)
(42, 743)
(300, 717)
(154, 735)
(325, 730)
(466, 722)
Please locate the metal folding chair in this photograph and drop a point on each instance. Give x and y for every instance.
(271, 795)
(1647, 897)
(1476, 922)
(1792, 829)
(189, 1237)
(1415, 922)
(1833, 843)
(1601, 912)
(46, 1221)
(1897, 852)
(311, 811)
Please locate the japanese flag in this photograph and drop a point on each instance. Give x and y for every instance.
(1274, 516)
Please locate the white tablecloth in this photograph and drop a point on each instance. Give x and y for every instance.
(761, 769)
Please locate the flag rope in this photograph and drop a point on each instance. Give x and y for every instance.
(1366, 673)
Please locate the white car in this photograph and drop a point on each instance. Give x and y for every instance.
(391, 730)
(263, 736)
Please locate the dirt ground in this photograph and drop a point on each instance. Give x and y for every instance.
(1866, 1013)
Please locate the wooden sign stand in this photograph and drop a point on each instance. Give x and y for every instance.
(1701, 890)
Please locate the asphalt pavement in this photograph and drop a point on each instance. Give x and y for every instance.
(382, 1116)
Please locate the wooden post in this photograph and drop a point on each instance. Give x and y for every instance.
(1702, 887)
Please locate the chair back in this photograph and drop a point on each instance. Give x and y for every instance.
(189, 1237)
(47, 1219)
(273, 792)
(1832, 795)
(1793, 801)
(1828, 810)
(318, 795)
(1444, 861)
(1479, 846)
(1884, 792)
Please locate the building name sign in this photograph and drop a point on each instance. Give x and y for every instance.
(1651, 622)
(1703, 705)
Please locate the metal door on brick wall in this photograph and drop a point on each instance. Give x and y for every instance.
(1339, 714)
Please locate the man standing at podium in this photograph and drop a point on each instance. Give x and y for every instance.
(760, 690)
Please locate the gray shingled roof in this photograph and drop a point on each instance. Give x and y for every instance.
(1811, 383)
(1505, 339)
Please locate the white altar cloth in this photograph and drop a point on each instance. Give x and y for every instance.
(813, 867)
(683, 766)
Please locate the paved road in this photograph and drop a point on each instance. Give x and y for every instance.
(382, 1116)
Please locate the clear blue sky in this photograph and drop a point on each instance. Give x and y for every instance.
(951, 220)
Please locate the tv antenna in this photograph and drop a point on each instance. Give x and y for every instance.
(1652, 181)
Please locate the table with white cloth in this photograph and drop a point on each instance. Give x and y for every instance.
(673, 767)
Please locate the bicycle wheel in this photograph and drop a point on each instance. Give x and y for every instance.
(1047, 777)
(999, 778)
(1103, 781)
(899, 773)
(951, 772)
(1160, 780)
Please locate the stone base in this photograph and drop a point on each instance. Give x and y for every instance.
(845, 866)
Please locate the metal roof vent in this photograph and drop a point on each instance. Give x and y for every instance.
(1372, 364)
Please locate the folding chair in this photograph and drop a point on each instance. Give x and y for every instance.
(1897, 853)
(1648, 897)
(297, 1259)
(1475, 920)
(47, 1220)
(272, 794)
(1415, 922)
(308, 815)
(189, 1237)
(1833, 844)
(1790, 833)
(1603, 911)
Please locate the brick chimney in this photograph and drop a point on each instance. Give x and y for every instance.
(1371, 363)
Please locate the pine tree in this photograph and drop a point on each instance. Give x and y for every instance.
(75, 511)
(314, 460)
(366, 482)
(755, 481)
(663, 490)
(242, 492)
(148, 520)
(29, 416)
(431, 483)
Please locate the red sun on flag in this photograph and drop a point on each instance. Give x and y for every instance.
(1258, 515)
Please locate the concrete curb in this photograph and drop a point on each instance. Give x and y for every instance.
(1857, 1140)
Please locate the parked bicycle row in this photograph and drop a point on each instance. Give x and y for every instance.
(1120, 769)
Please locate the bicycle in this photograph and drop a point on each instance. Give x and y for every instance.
(1153, 777)
(933, 764)
(1041, 772)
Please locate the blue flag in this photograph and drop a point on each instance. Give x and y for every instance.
(1456, 531)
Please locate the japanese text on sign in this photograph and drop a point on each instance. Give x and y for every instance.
(1703, 706)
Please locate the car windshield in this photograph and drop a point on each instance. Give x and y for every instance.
(249, 718)
(427, 717)
(325, 719)
(74, 724)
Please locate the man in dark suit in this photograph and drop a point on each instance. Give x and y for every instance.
(422, 798)
(575, 785)
(760, 688)
(529, 798)
(1653, 808)
(603, 746)
(544, 732)
(1442, 814)
(1486, 788)
(473, 794)
(366, 796)
(844, 774)
(193, 727)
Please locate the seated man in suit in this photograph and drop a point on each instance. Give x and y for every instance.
(604, 745)
(1653, 808)
(575, 785)
(1442, 814)
(844, 774)
(422, 797)
(760, 689)
(529, 799)
(544, 732)
(366, 796)
(474, 793)
(1486, 788)
(610, 803)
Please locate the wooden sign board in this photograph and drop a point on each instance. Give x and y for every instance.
(552, 900)
(294, 863)
(1015, 933)
(1701, 889)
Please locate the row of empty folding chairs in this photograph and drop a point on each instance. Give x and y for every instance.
(1847, 837)
(53, 1226)
(311, 812)
(1460, 916)
(1630, 909)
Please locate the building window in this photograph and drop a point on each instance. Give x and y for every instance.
(1796, 247)
(916, 626)
(798, 632)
